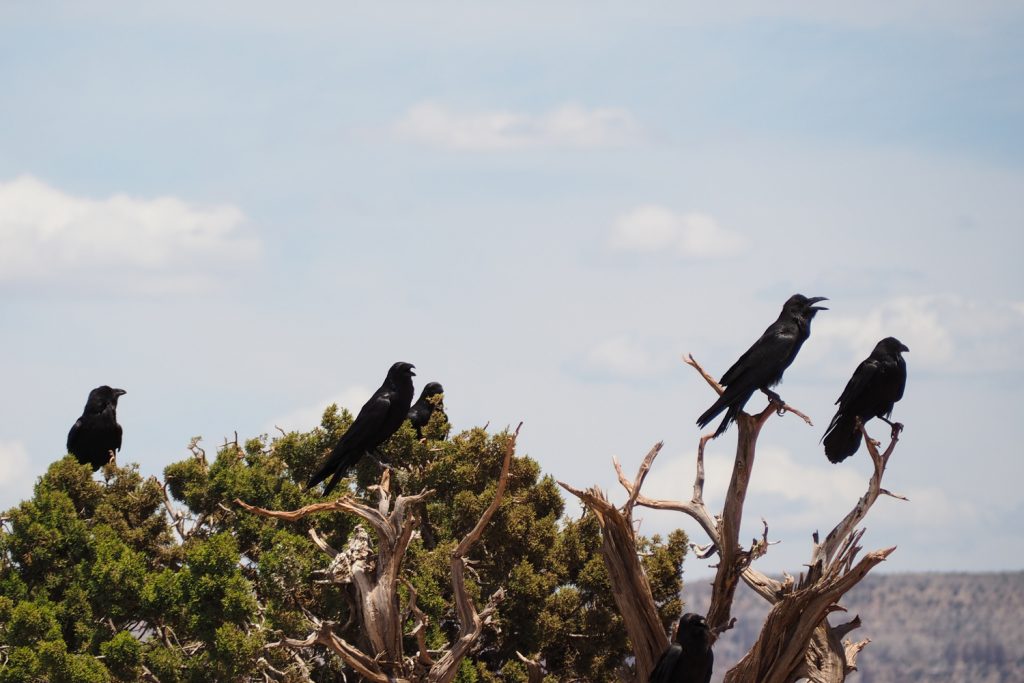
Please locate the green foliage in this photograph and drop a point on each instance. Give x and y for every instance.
(97, 583)
(122, 656)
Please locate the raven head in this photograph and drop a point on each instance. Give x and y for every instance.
(893, 345)
(693, 628)
(802, 306)
(100, 397)
(401, 369)
(432, 389)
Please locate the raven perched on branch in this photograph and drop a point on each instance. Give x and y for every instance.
(96, 435)
(761, 367)
(690, 658)
(876, 385)
(423, 408)
(378, 419)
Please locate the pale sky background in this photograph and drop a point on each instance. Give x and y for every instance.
(239, 214)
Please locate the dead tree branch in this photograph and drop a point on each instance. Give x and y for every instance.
(630, 587)
(376, 577)
(781, 409)
(845, 527)
(796, 641)
(534, 671)
(780, 653)
(324, 635)
(471, 622)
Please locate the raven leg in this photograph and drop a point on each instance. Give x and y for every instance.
(897, 427)
(376, 457)
(774, 398)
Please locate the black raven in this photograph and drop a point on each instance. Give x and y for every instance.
(876, 385)
(761, 367)
(378, 419)
(423, 408)
(690, 658)
(96, 435)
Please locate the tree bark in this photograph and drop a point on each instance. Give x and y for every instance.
(376, 577)
(630, 588)
(796, 640)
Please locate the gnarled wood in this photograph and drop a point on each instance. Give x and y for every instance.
(376, 575)
(796, 640)
(630, 588)
(471, 623)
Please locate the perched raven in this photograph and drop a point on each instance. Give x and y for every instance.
(96, 435)
(690, 658)
(761, 367)
(378, 419)
(422, 409)
(876, 385)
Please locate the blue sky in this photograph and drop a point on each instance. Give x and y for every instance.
(240, 215)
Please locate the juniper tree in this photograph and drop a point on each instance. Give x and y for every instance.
(130, 578)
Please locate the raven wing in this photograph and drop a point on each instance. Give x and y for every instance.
(768, 356)
(357, 439)
(865, 374)
(710, 665)
(901, 370)
(664, 670)
(73, 434)
(369, 423)
(862, 378)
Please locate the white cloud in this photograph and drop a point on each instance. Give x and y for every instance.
(651, 227)
(621, 357)
(307, 417)
(942, 332)
(568, 125)
(809, 494)
(934, 508)
(47, 233)
(16, 475)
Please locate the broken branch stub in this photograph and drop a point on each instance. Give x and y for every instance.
(630, 588)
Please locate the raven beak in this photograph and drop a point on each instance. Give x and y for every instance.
(410, 370)
(904, 348)
(815, 299)
(119, 392)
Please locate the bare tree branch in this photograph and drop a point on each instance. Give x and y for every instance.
(352, 656)
(470, 622)
(630, 588)
(845, 527)
(177, 518)
(376, 577)
(534, 671)
(796, 640)
(148, 675)
(778, 656)
(780, 408)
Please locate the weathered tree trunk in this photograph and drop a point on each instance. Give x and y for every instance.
(796, 640)
(376, 577)
(630, 587)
